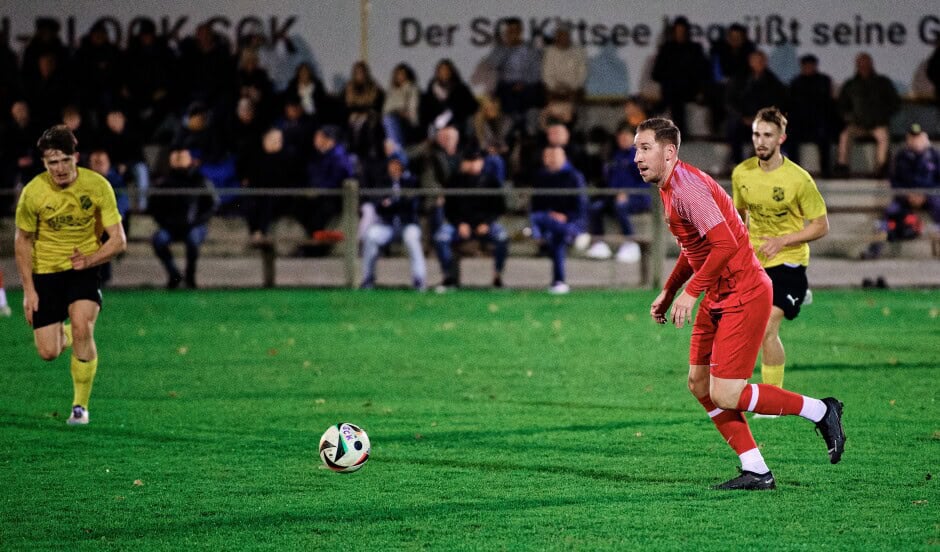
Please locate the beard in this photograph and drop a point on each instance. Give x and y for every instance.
(768, 155)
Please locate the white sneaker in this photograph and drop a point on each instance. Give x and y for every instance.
(629, 252)
(582, 241)
(5, 310)
(808, 298)
(79, 416)
(599, 250)
(559, 288)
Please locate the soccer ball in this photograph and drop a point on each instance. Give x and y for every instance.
(344, 447)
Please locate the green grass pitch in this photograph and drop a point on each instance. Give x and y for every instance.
(498, 420)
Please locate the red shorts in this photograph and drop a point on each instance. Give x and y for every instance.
(728, 339)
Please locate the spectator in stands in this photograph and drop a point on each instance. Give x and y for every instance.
(397, 218)
(48, 90)
(564, 72)
(518, 67)
(812, 113)
(151, 85)
(313, 98)
(400, 110)
(445, 156)
(471, 218)
(125, 147)
(557, 220)
(634, 111)
(298, 128)
(916, 166)
(556, 134)
(492, 128)
(447, 101)
(620, 173)
(19, 159)
(11, 84)
(729, 61)
(746, 96)
(45, 41)
(199, 135)
(364, 99)
(867, 102)
(682, 71)
(97, 71)
(330, 166)
(933, 70)
(252, 82)
(268, 167)
(182, 218)
(100, 162)
(207, 70)
(74, 118)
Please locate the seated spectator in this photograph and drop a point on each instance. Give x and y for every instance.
(330, 166)
(364, 99)
(746, 96)
(48, 91)
(557, 220)
(518, 67)
(492, 128)
(400, 111)
(252, 82)
(564, 72)
(471, 218)
(19, 159)
(150, 74)
(729, 61)
(298, 129)
(447, 101)
(100, 162)
(126, 150)
(867, 102)
(634, 111)
(74, 119)
(812, 113)
(396, 218)
(182, 218)
(98, 69)
(681, 70)
(621, 173)
(445, 156)
(312, 96)
(267, 168)
(916, 166)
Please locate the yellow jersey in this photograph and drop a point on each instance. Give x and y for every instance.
(63, 219)
(778, 203)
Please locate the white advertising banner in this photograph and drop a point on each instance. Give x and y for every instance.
(620, 36)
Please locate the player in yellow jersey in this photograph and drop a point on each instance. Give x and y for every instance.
(59, 220)
(784, 211)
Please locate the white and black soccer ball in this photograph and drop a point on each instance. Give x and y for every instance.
(344, 447)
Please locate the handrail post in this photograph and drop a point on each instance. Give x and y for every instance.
(350, 225)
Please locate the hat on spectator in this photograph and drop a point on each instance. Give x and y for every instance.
(330, 131)
(808, 58)
(398, 157)
(915, 129)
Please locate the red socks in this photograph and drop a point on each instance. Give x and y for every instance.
(769, 399)
(732, 426)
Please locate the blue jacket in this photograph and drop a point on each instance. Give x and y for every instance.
(396, 206)
(328, 170)
(573, 206)
(621, 171)
(916, 170)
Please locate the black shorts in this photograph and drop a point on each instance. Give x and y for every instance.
(58, 290)
(790, 285)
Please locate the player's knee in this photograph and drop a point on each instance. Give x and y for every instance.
(82, 330)
(724, 398)
(48, 353)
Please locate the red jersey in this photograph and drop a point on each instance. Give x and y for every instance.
(713, 239)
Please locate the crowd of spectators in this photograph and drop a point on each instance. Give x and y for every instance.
(216, 102)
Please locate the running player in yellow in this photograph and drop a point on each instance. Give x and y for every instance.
(59, 220)
(784, 211)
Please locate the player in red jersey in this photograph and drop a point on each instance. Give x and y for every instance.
(716, 259)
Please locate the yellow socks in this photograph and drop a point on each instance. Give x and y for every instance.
(83, 374)
(67, 332)
(772, 374)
